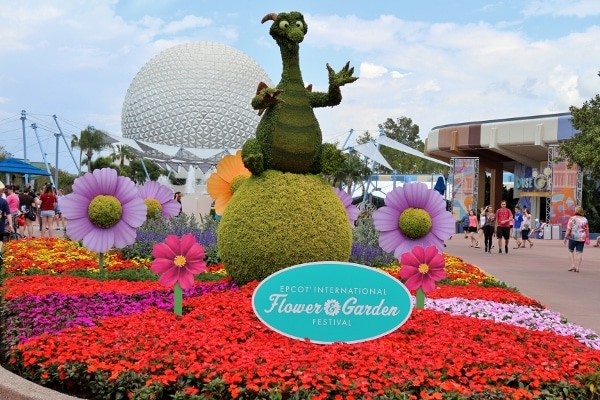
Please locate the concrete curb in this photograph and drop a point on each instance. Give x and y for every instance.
(13, 387)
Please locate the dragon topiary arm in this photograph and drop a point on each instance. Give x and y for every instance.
(333, 96)
(265, 97)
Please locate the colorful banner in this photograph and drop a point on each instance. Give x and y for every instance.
(563, 199)
(463, 185)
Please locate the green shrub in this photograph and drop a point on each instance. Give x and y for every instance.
(156, 230)
(277, 220)
(365, 233)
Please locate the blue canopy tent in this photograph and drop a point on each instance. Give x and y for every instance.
(15, 166)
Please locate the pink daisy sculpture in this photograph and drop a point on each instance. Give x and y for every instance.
(346, 200)
(178, 260)
(422, 268)
(104, 210)
(413, 216)
(159, 200)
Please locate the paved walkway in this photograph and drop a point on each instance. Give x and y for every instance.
(540, 272)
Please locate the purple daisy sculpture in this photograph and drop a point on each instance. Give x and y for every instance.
(346, 200)
(104, 210)
(159, 200)
(413, 215)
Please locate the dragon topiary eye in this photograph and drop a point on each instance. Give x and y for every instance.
(299, 24)
(284, 24)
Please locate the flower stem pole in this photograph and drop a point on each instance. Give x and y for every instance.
(101, 261)
(420, 298)
(178, 299)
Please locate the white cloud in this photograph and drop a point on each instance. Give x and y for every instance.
(429, 86)
(188, 22)
(467, 72)
(563, 8)
(368, 70)
(397, 74)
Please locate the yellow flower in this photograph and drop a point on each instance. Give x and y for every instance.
(222, 184)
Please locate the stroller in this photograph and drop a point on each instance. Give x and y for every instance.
(18, 220)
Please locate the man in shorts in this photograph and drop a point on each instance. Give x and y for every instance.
(503, 219)
(516, 232)
(5, 220)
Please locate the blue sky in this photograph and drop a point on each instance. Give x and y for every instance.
(437, 62)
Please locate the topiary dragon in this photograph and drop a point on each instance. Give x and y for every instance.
(288, 137)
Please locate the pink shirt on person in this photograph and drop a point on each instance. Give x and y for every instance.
(473, 221)
(13, 202)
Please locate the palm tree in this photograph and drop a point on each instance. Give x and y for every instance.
(122, 152)
(75, 144)
(89, 141)
(351, 171)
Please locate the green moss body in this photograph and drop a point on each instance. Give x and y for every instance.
(288, 137)
(277, 220)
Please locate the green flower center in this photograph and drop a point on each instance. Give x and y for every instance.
(423, 268)
(237, 182)
(105, 211)
(414, 223)
(154, 208)
(179, 261)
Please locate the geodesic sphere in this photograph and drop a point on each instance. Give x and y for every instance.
(194, 94)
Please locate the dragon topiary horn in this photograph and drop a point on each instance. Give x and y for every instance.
(269, 17)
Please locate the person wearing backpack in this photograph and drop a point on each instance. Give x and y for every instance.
(578, 234)
(26, 206)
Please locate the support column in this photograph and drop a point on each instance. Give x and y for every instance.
(481, 184)
(496, 186)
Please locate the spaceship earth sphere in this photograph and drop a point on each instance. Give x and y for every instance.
(194, 94)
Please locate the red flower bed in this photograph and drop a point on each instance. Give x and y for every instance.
(223, 338)
(41, 285)
(219, 349)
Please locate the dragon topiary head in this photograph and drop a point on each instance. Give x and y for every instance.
(287, 28)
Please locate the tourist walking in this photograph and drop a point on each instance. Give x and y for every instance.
(177, 197)
(488, 228)
(526, 228)
(503, 219)
(26, 201)
(12, 198)
(5, 220)
(60, 221)
(578, 234)
(473, 229)
(516, 231)
(48, 203)
(464, 222)
(481, 223)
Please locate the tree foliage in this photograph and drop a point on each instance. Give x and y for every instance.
(582, 148)
(101, 162)
(135, 171)
(90, 140)
(122, 152)
(352, 170)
